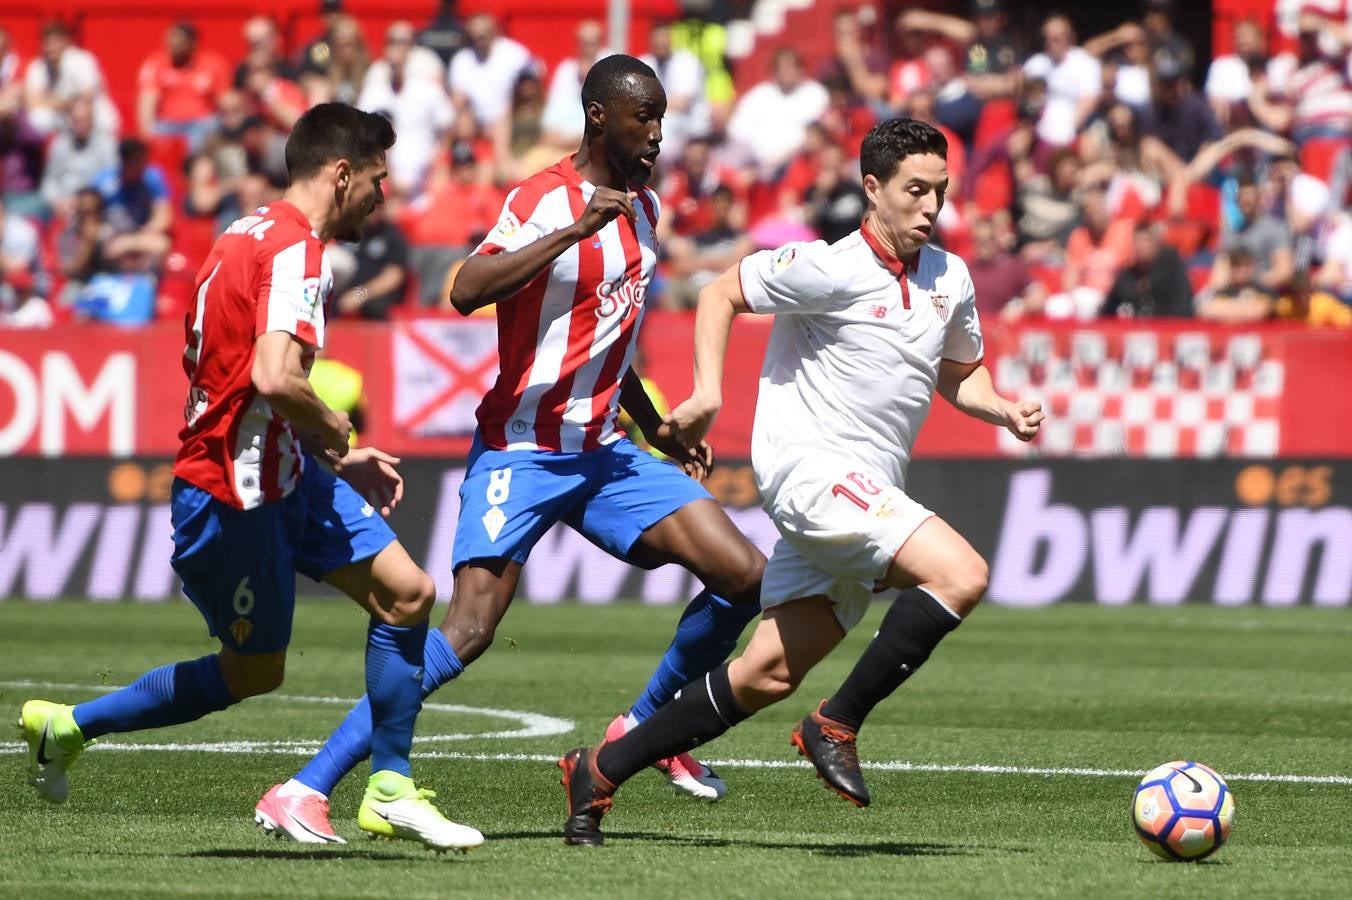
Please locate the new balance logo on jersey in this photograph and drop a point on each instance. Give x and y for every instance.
(878, 311)
(368, 510)
(620, 298)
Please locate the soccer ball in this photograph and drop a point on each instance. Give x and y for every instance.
(1183, 811)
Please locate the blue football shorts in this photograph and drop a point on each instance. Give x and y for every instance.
(239, 565)
(611, 495)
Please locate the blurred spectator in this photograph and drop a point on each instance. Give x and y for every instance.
(369, 279)
(277, 99)
(449, 220)
(1097, 251)
(847, 118)
(1165, 41)
(444, 35)
(682, 77)
(687, 190)
(528, 111)
(769, 120)
(955, 107)
(1266, 240)
(81, 244)
(75, 158)
(139, 212)
(991, 56)
(407, 57)
(265, 46)
(564, 119)
(1314, 99)
(1073, 82)
(1335, 275)
(855, 62)
(1229, 81)
(1124, 54)
(908, 72)
(178, 87)
(1003, 282)
(343, 77)
(11, 66)
(417, 106)
(21, 160)
(208, 193)
(836, 203)
(699, 258)
(1048, 211)
(1155, 284)
(483, 75)
(707, 39)
(61, 74)
(1316, 308)
(1181, 118)
(1135, 166)
(21, 301)
(317, 55)
(1237, 297)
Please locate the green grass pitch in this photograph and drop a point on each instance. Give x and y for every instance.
(1249, 692)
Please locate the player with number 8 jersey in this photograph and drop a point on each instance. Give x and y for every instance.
(265, 486)
(568, 266)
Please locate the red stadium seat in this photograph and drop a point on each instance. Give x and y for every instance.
(169, 152)
(997, 117)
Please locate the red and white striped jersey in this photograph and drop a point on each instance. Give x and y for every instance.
(268, 272)
(566, 339)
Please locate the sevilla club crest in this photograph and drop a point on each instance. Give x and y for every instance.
(940, 302)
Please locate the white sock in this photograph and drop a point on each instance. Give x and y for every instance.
(294, 788)
(630, 723)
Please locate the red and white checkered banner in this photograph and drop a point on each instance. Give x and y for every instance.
(1146, 392)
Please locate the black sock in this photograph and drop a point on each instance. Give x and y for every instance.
(703, 710)
(909, 632)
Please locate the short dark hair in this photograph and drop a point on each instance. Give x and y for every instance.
(889, 142)
(132, 150)
(606, 78)
(333, 131)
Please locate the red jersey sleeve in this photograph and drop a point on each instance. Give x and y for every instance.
(293, 287)
(519, 224)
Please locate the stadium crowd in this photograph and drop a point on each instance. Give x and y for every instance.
(1089, 176)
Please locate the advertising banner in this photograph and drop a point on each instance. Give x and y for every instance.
(1230, 533)
(1115, 389)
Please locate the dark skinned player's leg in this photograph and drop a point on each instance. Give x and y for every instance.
(700, 537)
(483, 591)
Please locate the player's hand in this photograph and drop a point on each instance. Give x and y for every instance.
(605, 206)
(696, 461)
(1023, 419)
(690, 422)
(372, 474)
(336, 439)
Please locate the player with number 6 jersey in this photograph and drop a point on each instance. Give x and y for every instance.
(265, 486)
(866, 330)
(568, 266)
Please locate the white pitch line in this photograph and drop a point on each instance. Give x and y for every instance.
(301, 748)
(539, 725)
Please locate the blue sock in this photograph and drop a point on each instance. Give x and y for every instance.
(350, 743)
(170, 695)
(394, 679)
(705, 637)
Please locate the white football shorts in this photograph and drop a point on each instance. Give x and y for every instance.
(840, 523)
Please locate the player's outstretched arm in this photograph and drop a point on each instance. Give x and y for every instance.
(486, 279)
(968, 386)
(719, 303)
(279, 377)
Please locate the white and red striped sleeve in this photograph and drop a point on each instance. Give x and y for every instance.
(521, 221)
(293, 288)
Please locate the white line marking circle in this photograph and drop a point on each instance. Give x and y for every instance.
(531, 725)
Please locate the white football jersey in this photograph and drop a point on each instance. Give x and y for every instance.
(854, 352)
